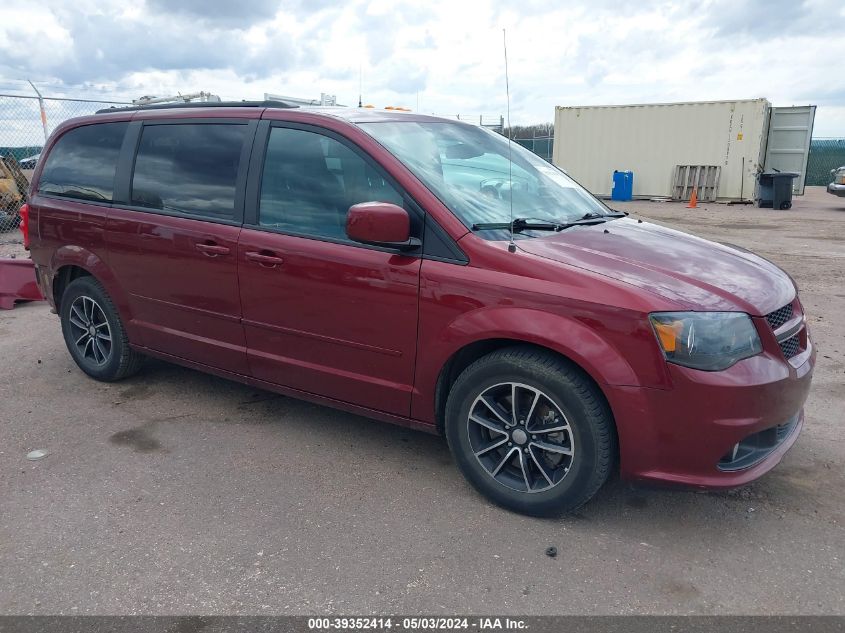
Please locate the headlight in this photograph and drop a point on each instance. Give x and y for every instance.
(710, 341)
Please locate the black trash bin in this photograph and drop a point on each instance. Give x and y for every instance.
(775, 189)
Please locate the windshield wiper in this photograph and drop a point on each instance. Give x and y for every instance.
(526, 224)
(519, 224)
(591, 215)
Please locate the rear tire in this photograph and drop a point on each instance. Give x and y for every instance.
(550, 455)
(94, 333)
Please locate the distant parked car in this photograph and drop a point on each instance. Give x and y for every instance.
(837, 185)
(29, 162)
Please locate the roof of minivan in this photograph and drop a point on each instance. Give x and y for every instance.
(369, 115)
(350, 114)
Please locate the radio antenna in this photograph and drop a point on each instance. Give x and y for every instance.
(512, 245)
(360, 83)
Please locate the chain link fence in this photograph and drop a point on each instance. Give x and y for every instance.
(25, 123)
(825, 154)
(540, 145)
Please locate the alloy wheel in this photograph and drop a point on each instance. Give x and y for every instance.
(520, 437)
(90, 330)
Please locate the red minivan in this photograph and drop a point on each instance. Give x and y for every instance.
(420, 271)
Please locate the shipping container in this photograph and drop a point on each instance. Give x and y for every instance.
(653, 140)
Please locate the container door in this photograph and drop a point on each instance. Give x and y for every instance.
(790, 131)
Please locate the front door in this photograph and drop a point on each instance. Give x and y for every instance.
(174, 246)
(321, 313)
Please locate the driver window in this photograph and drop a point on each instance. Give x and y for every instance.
(310, 181)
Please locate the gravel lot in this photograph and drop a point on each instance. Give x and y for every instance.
(175, 492)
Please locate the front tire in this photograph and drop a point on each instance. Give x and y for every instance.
(548, 454)
(94, 333)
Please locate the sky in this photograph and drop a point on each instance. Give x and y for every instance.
(435, 56)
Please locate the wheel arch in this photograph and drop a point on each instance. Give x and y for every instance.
(476, 350)
(478, 333)
(72, 262)
(62, 279)
(456, 364)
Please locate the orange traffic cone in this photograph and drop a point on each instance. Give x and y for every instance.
(693, 199)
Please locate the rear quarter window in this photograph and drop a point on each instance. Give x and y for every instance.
(82, 163)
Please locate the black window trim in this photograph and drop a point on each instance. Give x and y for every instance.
(58, 196)
(253, 194)
(129, 154)
(448, 251)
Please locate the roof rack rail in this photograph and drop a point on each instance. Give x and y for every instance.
(203, 104)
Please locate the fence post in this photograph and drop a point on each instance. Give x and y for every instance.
(22, 139)
(43, 111)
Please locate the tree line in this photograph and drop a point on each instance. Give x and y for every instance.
(537, 130)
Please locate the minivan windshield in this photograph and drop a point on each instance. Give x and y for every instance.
(467, 168)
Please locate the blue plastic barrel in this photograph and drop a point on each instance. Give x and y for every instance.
(623, 185)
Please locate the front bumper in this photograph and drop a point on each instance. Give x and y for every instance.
(836, 190)
(688, 435)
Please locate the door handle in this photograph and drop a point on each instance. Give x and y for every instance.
(212, 250)
(270, 261)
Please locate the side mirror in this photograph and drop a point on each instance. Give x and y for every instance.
(380, 224)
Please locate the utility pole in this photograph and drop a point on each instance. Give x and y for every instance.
(43, 111)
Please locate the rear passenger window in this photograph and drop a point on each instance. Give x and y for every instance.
(83, 161)
(189, 168)
(310, 181)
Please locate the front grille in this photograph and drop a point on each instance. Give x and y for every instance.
(790, 347)
(779, 316)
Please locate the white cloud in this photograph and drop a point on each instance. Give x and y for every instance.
(448, 54)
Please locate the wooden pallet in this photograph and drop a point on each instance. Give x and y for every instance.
(705, 177)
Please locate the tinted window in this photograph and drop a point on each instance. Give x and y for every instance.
(83, 161)
(189, 168)
(310, 181)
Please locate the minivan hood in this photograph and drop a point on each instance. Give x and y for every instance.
(695, 273)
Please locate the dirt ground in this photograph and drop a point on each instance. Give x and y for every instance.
(175, 492)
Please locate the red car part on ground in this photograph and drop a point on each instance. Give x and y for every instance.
(17, 282)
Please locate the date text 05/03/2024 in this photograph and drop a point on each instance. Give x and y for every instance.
(416, 623)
